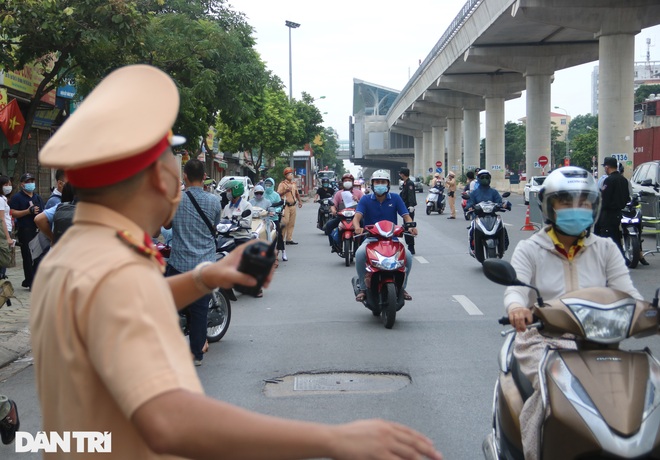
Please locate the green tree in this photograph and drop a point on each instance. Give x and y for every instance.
(66, 38)
(584, 147)
(581, 124)
(310, 118)
(212, 59)
(642, 93)
(326, 152)
(514, 144)
(274, 129)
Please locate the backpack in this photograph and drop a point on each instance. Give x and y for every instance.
(6, 292)
(62, 219)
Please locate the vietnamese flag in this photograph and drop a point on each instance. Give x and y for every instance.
(12, 122)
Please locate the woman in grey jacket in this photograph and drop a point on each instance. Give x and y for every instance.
(562, 257)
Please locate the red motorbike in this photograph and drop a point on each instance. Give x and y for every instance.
(386, 270)
(346, 230)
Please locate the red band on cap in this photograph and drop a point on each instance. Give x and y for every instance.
(105, 174)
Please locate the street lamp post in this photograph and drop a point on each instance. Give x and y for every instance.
(291, 25)
(568, 124)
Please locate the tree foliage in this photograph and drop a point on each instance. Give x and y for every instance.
(515, 135)
(203, 44)
(584, 147)
(581, 124)
(272, 130)
(642, 93)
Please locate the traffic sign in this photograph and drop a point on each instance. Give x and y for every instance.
(543, 160)
(430, 170)
(438, 170)
(438, 164)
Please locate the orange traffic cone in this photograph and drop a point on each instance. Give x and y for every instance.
(529, 226)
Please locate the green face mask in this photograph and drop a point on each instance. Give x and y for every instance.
(485, 181)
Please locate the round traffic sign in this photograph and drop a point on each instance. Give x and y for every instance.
(438, 164)
(543, 160)
(438, 170)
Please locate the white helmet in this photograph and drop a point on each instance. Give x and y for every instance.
(380, 174)
(572, 185)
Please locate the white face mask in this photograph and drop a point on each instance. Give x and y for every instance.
(348, 185)
(6, 189)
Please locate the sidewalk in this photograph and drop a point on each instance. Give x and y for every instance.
(15, 319)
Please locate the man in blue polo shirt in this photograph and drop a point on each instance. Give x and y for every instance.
(372, 208)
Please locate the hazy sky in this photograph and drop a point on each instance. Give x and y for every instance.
(382, 43)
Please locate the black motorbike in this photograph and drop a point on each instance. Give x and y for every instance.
(324, 212)
(631, 230)
(487, 236)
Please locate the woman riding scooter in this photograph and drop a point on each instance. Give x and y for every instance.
(348, 196)
(563, 257)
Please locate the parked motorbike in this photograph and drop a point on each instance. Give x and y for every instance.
(489, 237)
(345, 233)
(603, 401)
(386, 270)
(436, 194)
(631, 230)
(324, 212)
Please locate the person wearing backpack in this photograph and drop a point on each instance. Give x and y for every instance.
(56, 195)
(54, 221)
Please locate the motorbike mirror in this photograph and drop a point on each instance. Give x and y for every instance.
(246, 213)
(465, 196)
(506, 194)
(500, 272)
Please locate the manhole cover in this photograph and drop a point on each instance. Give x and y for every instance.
(336, 383)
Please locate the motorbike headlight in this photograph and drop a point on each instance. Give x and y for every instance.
(349, 213)
(224, 227)
(487, 208)
(603, 323)
(387, 263)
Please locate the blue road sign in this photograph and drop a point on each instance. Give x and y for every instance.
(438, 170)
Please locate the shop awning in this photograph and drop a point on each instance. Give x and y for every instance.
(221, 164)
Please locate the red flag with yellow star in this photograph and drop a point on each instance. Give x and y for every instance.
(12, 122)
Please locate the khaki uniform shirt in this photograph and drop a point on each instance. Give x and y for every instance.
(105, 333)
(289, 192)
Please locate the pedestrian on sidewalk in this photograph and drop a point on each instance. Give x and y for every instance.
(108, 349)
(5, 217)
(25, 205)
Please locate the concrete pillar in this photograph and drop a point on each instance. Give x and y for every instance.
(538, 122)
(438, 139)
(495, 140)
(471, 139)
(428, 151)
(454, 146)
(419, 152)
(616, 96)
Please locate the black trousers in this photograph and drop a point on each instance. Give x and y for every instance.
(24, 236)
(609, 226)
(410, 240)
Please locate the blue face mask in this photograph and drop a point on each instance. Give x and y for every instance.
(268, 188)
(380, 189)
(574, 221)
(29, 187)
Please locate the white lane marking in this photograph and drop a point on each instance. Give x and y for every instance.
(508, 225)
(421, 260)
(467, 304)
